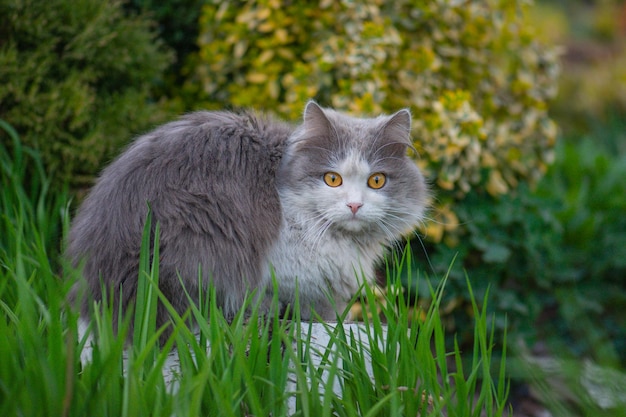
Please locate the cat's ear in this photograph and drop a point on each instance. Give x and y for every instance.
(398, 126)
(316, 123)
(396, 131)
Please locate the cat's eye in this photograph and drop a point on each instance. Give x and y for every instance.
(332, 179)
(376, 180)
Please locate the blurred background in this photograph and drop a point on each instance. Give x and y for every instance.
(519, 122)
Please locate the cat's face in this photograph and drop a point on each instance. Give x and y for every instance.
(352, 176)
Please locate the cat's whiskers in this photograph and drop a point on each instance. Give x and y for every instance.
(421, 241)
(321, 234)
(386, 224)
(391, 230)
(315, 234)
(395, 224)
(316, 227)
(391, 239)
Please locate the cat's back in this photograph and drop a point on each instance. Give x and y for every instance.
(204, 142)
(209, 179)
(203, 154)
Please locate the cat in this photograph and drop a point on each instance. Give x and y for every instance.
(245, 200)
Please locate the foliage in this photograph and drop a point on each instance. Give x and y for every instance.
(554, 257)
(177, 22)
(472, 73)
(590, 185)
(253, 365)
(30, 224)
(76, 78)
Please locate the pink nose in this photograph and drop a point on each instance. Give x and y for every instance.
(354, 207)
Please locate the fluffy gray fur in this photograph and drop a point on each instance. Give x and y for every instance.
(242, 198)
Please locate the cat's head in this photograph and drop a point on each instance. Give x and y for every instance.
(352, 175)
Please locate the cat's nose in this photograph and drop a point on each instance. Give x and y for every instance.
(354, 207)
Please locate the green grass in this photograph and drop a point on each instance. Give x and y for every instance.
(247, 366)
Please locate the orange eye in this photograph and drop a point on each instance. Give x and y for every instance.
(332, 179)
(376, 180)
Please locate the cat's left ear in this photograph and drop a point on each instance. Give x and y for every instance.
(315, 121)
(397, 132)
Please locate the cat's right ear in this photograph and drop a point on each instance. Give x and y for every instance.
(396, 133)
(315, 122)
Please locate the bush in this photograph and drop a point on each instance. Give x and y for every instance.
(555, 257)
(588, 180)
(76, 81)
(177, 22)
(475, 78)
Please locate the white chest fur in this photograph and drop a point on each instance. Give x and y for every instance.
(325, 271)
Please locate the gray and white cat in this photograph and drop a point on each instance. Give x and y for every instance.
(242, 198)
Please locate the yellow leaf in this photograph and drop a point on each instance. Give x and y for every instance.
(488, 160)
(446, 185)
(266, 27)
(263, 14)
(434, 231)
(453, 149)
(265, 56)
(240, 49)
(496, 184)
(244, 17)
(281, 35)
(274, 89)
(449, 219)
(285, 53)
(256, 77)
